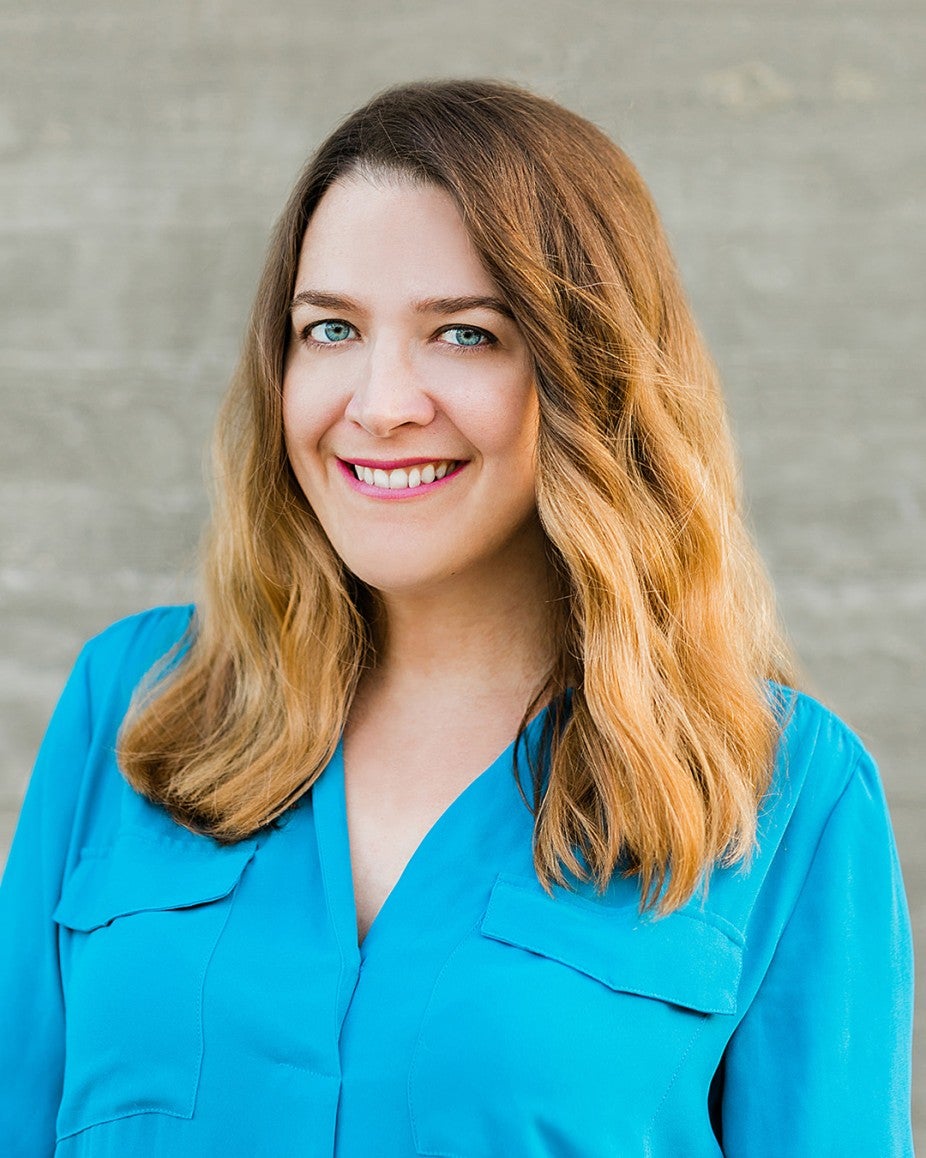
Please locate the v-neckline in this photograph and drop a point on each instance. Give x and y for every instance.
(330, 807)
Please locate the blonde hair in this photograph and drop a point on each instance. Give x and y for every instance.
(669, 635)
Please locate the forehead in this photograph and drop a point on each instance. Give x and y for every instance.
(370, 229)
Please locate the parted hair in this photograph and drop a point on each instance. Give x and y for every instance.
(668, 634)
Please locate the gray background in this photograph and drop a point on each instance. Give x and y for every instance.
(146, 147)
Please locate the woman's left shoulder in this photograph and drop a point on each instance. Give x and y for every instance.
(823, 813)
(818, 757)
(825, 799)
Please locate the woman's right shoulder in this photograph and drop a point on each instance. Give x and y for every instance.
(77, 795)
(125, 651)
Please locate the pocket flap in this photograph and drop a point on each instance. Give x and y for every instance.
(684, 958)
(137, 874)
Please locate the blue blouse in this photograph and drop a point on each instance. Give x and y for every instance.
(163, 995)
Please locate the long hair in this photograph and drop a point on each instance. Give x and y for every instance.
(669, 635)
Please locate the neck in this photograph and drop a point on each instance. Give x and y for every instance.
(483, 635)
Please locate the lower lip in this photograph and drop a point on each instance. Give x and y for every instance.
(389, 495)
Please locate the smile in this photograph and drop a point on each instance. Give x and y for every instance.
(400, 479)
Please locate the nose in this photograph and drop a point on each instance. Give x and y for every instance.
(388, 394)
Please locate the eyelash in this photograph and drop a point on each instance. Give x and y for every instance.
(305, 335)
(489, 339)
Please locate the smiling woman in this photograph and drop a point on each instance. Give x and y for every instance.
(472, 810)
(425, 382)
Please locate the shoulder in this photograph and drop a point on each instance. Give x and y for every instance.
(819, 756)
(126, 651)
(77, 791)
(111, 668)
(825, 787)
(810, 726)
(150, 633)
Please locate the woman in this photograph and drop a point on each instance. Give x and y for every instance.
(469, 812)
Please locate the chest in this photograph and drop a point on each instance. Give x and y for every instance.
(473, 979)
(386, 824)
(398, 783)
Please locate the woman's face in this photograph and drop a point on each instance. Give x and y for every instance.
(409, 405)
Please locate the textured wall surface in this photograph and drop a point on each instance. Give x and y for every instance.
(145, 148)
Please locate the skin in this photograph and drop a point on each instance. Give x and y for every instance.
(381, 367)
(386, 383)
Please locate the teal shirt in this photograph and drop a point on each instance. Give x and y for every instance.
(163, 995)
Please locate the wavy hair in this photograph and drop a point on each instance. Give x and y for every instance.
(669, 634)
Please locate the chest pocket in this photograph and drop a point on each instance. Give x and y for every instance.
(558, 1025)
(139, 922)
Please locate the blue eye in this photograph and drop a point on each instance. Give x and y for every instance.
(468, 336)
(331, 332)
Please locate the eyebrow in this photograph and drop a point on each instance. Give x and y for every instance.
(327, 301)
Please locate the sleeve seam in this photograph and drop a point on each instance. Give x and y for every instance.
(851, 777)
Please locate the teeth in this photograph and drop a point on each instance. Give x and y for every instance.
(399, 480)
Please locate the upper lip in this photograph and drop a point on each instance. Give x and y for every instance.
(396, 463)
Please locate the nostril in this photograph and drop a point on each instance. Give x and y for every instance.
(380, 415)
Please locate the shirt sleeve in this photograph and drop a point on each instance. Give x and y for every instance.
(31, 1003)
(820, 1064)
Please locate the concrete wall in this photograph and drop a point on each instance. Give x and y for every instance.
(146, 147)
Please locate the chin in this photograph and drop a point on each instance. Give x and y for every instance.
(398, 580)
(389, 561)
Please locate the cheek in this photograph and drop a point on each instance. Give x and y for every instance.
(498, 412)
(508, 430)
(307, 415)
(303, 429)
(293, 423)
